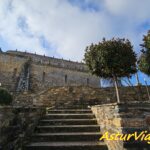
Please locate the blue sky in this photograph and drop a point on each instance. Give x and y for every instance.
(63, 28)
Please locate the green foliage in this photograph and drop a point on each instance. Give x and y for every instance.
(5, 97)
(146, 40)
(111, 58)
(143, 64)
(144, 60)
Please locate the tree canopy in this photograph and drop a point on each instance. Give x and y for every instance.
(143, 64)
(111, 58)
(146, 42)
(144, 60)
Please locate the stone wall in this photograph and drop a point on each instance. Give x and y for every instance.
(55, 62)
(17, 124)
(10, 68)
(44, 72)
(24, 99)
(89, 95)
(124, 118)
(43, 77)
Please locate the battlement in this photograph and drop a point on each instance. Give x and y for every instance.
(46, 60)
(41, 72)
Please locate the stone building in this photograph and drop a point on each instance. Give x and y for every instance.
(22, 71)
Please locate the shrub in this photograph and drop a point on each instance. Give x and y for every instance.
(5, 97)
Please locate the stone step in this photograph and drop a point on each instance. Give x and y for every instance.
(73, 136)
(52, 122)
(130, 130)
(68, 128)
(79, 103)
(70, 116)
(139, 145)
(67, 146)
(69, 111)
(85, 103)
(72, 107)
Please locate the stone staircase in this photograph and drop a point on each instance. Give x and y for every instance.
(67, 129)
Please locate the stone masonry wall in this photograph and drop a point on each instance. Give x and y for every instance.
(124, 118)
(44, 72)
(43, 77)
(10, 67)
(17, 124)
(55, 62)
(89, 95)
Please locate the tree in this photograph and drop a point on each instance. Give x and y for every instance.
(144, 60)
(111, 59)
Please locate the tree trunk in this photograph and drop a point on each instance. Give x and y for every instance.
(137, 79)
(147, 90)
(117, 91)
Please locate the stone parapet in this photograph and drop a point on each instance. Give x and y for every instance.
(17, 124)
(124, 119)
(89, 95)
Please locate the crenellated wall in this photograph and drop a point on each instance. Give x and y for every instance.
(44, 72)
(55, 62)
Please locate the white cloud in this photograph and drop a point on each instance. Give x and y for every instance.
(67, 27)
(133, 9)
